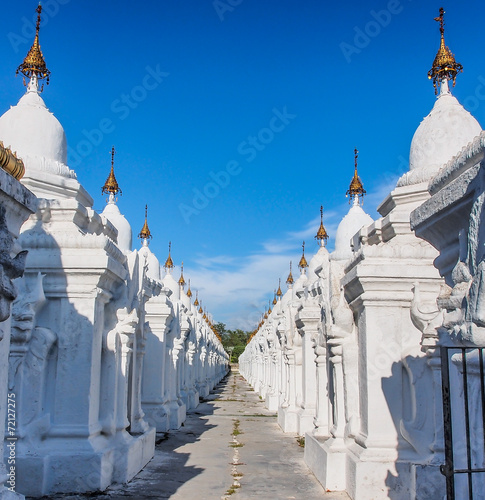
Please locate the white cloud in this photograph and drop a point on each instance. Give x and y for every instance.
(236, 290)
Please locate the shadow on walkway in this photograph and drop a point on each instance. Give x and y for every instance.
(169, 468)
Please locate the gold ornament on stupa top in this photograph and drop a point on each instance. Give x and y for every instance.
(10, 163)
(303, 264)
(34, 63)
(356, 189)
(200, 308)
(321, 235)
(279, 293)
(111, 185)
(444, 64)
(189, 292)
(169, 262)
(145, 233)
(196, 301)
(181, 279)
(290, 280)
(269, 310)
(274, 298)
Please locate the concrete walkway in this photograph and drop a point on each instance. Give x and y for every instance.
(231, 448)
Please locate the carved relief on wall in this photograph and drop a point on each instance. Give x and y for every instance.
(31, 346)
(10, 268)
(464, 302)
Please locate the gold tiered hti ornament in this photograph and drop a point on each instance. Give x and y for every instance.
(145, 233)
(303, 264)
(33, 66)
(169, 262)
(181, 279)
(356, 189)
(290, 280)
(111, 185)
(322, 235)
(444, 66)
(279, 293)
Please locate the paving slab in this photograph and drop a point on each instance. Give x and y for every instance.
(229, 448)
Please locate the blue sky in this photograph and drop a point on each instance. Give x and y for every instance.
(268, 99)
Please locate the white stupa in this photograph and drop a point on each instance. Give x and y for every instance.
(355, 219)
(277, 298)
(184, 297)
(36, 134)
(112, 212)
(290, 281)
(302, 280)
(151, 261)
(447, 129)
(168, 280)
(197, 303)
(188, 295)
(286, 297)
(29, 128)
(322, 256)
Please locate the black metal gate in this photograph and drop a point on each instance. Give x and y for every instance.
(463, 384)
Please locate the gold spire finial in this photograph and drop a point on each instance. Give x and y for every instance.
(322, 235)
(274, 298)
(290, 280)
(34, 63)
(356, 189)
(303, 263)
(196, 301)
(181, 279)
(200, 308)
(441, 20)
(444, 66)
(269, 310)
(169, 262)
(145, 232)
(189, 292)
(279, 293)
(111, 186)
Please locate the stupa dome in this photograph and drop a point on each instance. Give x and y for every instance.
(113, 214)
(439, 137)
(30, 129)
(153, 271)
(170, 282)
(318, 260)
(355, 219)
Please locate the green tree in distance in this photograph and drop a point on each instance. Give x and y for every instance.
(237, 339)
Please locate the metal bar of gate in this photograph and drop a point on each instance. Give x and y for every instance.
(447, 468)
(467, 424)
(482, 391)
